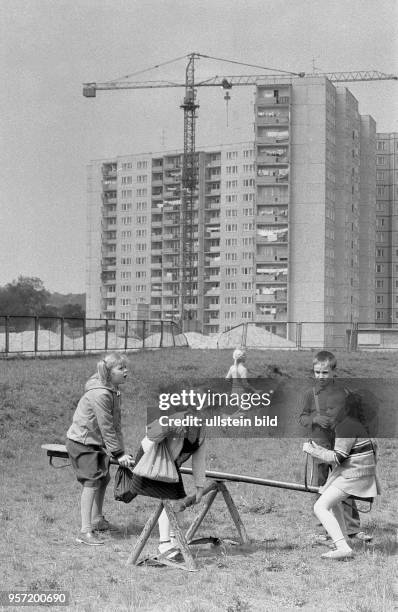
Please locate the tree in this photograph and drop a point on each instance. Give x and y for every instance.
(25, 296)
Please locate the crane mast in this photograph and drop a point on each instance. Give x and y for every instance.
(189, 185)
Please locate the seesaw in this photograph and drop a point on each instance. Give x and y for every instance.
(210, 493)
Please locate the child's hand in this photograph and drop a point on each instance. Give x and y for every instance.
(322, 420)
(308, 447)
(125, 460)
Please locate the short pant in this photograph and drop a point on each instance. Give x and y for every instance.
(90, 463)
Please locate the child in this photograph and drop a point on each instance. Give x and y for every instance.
(354, 472)
(95, 434)
(238, 374)
(182, 443)
(313, 416)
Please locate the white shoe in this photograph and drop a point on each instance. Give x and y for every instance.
(338, 554)
(171, 546)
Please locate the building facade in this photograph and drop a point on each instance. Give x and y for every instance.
(276, 223)
(387, 229)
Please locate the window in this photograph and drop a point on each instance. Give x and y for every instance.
(231, 198)
(140, 261)
(231, 242)
(125, 261)
(127, 180)
(126, 206)
(247, 299)
(231, 286)
(231, 212)
(231, 256)
(142, 191)
(142, 178)
(141, 219)
(127, 193)
(141, 165)
(231, 227)
(247, 285)
(381, 145)
(248, 197)
(248, 212)
(379, 252)
(232, 184)
(247, 270)
(230, 300)
(125, 288)
(140, 274)
(125, 275)
(232, 169)
(141, 246)
(140, 233)
(232, 154)
(126, 248)
(126, 220)
(141, 206)
(230, 271)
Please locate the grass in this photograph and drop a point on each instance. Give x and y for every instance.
(279, 570)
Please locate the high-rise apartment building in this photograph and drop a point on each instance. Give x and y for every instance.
(387, 229)
(277, 223)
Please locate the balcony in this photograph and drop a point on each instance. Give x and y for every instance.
(269, 234)
(276, 295)
(272, 136)
(272, 118)
(267, 176)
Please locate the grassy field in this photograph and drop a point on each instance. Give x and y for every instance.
(280, 570)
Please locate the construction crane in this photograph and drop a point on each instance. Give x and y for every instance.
(189, 178)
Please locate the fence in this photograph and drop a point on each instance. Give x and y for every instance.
(41, 335)
(309, 335)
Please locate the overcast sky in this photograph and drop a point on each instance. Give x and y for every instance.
(49, 131)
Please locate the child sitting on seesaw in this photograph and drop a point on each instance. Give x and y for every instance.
(354, 468)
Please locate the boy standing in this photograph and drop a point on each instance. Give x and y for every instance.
(313, 416)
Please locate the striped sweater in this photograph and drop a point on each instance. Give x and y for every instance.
(353, 455)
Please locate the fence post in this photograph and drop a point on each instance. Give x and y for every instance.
(106, 335)
(126, 335)
(36, 334)
(161, 335)
(7, 334)
(298, 335)
(62, 333)
(84, 334)
(143, 333)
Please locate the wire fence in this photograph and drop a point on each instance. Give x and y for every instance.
(42, 335)
(306, 335)
(56, 335)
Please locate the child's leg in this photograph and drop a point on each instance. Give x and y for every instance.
(99, 500)
(87, 501)
(333, 521)
(164, 527)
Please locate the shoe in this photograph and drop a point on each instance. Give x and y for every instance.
(338, 554)
(164, 547)
(89, 538)
(103, 525)
(361, 536)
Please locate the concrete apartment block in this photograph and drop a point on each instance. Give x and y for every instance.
(386, 275)
(282, 226)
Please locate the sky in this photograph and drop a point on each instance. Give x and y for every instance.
(49, 132)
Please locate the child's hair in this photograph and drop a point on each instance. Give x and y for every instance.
(106, 364)
(325, 357)
(238, 355)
